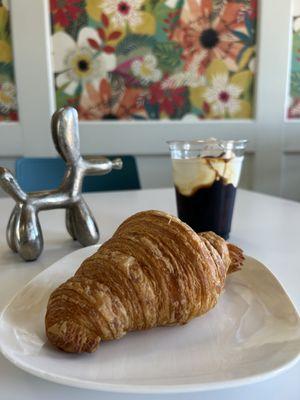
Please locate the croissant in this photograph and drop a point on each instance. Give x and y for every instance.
(154, 271)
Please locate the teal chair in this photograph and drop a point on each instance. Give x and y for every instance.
(35, 174)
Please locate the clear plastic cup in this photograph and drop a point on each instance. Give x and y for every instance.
(206, 174)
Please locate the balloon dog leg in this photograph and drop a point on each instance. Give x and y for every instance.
(12, 228)
(30, 241)
(70, 223)
(82, 224)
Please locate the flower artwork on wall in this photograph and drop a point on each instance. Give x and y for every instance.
(8, 101)
(155, 59)
(294, 89)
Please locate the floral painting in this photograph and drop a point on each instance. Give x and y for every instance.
(294, 98)
(155, 59)
(8, 101)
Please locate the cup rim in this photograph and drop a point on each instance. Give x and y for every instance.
(230, 144)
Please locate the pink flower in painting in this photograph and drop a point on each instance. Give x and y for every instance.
(294, 109)
(65, 11)
(253, 9)
(123, 12)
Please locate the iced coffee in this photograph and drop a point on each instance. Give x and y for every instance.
(206, 175)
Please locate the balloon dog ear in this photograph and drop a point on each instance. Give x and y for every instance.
(65, 134)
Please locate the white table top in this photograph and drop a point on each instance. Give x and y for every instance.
(266, 227)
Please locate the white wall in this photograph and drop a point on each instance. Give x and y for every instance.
(291, 176)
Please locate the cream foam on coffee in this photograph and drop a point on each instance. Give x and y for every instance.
(192, 174)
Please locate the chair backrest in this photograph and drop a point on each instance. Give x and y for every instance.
(34, 174)
(123, 179)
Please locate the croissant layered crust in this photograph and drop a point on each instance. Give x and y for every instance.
(154, 271)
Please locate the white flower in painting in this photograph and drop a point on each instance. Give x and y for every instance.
(145, 69)
(191, 77)
(171, 3)
(123, 12)
(8, 99)
(223, 95)
(185, 78)
(190, 118)
(252, 65)
(296, 24)
(77, 62)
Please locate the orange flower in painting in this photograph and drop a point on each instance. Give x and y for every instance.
(132, 104)
(109, 104)
(207, 34)
(95, 104)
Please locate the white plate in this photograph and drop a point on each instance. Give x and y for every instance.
(253, 333)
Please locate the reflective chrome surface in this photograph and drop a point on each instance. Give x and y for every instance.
(24, 234)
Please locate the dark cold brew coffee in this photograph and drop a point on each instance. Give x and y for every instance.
(205, 191)
(209, 208)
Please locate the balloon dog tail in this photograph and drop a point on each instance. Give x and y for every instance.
(10, 185)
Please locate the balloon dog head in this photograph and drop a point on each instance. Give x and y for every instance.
(24, 233)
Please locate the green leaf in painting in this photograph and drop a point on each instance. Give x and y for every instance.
(295, 84)
(6, 69)
(63, 99)
(243, 38)
(168, 55)
(161, 14)
(249, 26)
(133, 42)
(166, 19)
(296, 52)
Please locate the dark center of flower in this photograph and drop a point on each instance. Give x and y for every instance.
(109, 116)
(83, 65)
(224, 96)
(123, 8)
(209, 38)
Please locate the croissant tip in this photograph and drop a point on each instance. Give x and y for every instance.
(237, 258)
(72, 338)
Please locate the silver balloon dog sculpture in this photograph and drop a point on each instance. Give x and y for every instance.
(24, 234)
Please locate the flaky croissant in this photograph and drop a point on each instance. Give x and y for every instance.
(154, 271)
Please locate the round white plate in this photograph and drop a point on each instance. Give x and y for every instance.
(253, 333)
